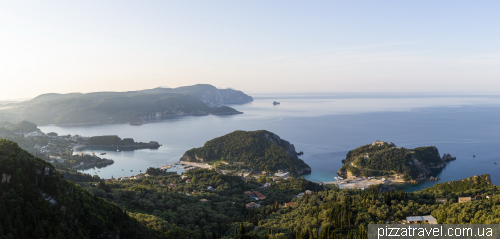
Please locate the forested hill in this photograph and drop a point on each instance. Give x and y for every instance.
(36, 202)
(382, 158)
(461, 188)
(259, 150)
(122, 107)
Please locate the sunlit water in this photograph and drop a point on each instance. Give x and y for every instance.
(326, 127)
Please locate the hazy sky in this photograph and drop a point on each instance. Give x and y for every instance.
(253, 46)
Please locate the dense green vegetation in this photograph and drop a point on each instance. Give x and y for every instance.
(180, 204)
(387, 159)
(347, 213)
(120, 107)
(114, 140)
(26, 125)
(36, 202)
(259, 150)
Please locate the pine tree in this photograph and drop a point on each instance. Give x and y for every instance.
(242, 229)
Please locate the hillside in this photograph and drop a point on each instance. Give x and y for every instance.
(259, 150)
(122, 107)
(382, 158)
(36, 202)
(470, 187)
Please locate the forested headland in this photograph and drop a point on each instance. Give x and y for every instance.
(257, 150)
(383, 159)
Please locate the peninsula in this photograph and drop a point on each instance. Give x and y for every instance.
(250, 150)
(133, 107)
(115, 142)
(385, 159)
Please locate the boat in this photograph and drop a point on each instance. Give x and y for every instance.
(103, 153)
(117, 150)
(276, 103)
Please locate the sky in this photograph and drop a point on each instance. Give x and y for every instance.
(448, 47)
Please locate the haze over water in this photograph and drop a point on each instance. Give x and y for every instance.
(326, 127)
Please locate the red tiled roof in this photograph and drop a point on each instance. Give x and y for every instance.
(260, 195)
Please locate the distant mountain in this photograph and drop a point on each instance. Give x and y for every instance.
(208, 94)
(36, 202)
(122, 107)
(382, 158)
(259, 150)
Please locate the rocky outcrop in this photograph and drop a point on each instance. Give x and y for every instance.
(447, 157)
(275, 139)
(433, 178)
(303, 171)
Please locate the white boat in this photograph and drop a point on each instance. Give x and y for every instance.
(336, 178)
(341, 178)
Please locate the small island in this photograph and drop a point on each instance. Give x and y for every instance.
(260, 152)
(394, 164)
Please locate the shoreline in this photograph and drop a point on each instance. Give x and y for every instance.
(132, 123)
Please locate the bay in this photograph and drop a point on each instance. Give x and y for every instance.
(325, 127)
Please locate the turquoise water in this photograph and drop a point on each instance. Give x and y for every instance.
(326, 127)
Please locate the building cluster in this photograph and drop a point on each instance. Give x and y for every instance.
(468, 199)
(136, 177)
(255, 195)
(282, 174)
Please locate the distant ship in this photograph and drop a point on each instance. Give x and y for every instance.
(276, 103)
(103, 153)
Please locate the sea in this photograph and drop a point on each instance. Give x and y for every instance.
(325, 127)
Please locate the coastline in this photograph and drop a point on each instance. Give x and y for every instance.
(133, 123)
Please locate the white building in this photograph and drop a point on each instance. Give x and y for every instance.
(419, 219)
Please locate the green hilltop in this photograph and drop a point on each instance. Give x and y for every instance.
(259, 150)
(382, 158)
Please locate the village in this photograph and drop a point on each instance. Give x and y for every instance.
(59, 149)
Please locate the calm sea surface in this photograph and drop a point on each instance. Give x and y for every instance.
(326, 127)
